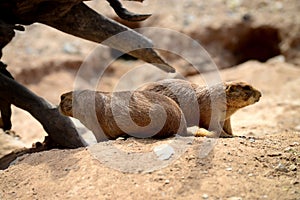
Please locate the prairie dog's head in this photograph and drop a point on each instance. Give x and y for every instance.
(241, 94)
(66, 103)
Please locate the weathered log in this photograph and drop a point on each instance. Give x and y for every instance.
(84, 22)
(75, 18)
(59, 128)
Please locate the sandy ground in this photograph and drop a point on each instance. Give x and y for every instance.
(264, 164)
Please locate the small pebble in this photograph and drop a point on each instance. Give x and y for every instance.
(278, 5)
(288, 149)
(164, 151)
(167, 181)
(293, 167)
(295, 182)
(228, 169)
(277, 59)
(252, 140)
(233, 4)
(70, 48)
(297, 128)
(281, 167)
(205, 196)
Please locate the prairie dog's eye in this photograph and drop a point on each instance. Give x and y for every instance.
(232, 88)
(247, 87)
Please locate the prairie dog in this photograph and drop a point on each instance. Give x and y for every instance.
(207, 107)
(111, 115)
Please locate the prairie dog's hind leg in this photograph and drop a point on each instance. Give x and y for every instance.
(227, 127)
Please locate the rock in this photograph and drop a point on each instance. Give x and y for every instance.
(288, 149)
(121, 138)
(191, 157)
(264, 196)
(293, 167)
(294, 144)
(167, 181)
(295, 182)
(275, 59)
(251, 140)
(281, 168)
(278, 5)
(70, 48)
(233, 4)
(205, 196)
(228, 169)
(297, 128)
(164, 151)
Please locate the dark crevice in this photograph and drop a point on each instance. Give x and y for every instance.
(261, 43)
(240, 42)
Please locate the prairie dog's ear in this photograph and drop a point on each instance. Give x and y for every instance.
(63, 96)
(233, 89)
(247, 87)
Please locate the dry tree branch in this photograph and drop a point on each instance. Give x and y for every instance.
(83, 22)
(75, 18)
(125, 14)
(59, 128)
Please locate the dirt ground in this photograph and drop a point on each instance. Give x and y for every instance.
(262, 164)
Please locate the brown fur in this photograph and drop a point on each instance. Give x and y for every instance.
(96, 109)
(214, 104)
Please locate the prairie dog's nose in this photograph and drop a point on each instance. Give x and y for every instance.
(258, 95)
